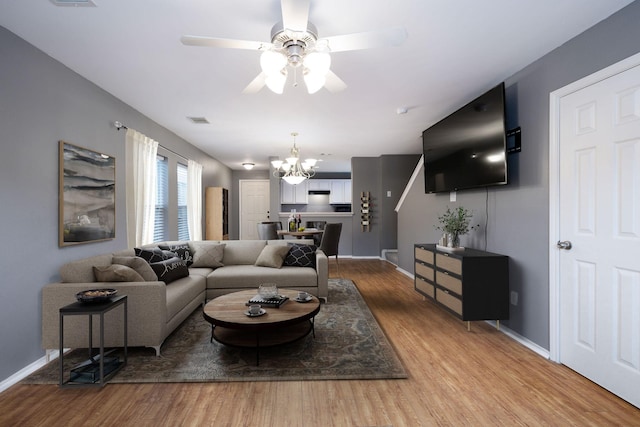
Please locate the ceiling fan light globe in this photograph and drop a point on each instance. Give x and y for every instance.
(314, 82)
(272, 62)
(318, 62)
(276, 81)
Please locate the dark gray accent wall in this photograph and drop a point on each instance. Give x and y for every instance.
(518, 214)
(42, 102)
(377, 175)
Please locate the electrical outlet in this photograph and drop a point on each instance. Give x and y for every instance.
(514, 298)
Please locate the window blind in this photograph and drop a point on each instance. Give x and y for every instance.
(162, 195)
(183, 224)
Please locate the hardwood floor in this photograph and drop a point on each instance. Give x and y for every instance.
(456, 377)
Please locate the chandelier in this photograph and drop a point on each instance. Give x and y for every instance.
(294, 171)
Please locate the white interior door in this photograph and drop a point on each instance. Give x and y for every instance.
(599, 216)
(254, 206)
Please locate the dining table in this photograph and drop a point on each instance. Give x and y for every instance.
(307, 232)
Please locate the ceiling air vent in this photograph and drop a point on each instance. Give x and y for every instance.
(199, 120)
(76, 3)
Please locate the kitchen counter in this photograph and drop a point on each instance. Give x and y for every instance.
(316, 214)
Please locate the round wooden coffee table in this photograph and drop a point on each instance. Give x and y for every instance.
(231, 326)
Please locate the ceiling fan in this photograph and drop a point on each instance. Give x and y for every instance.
(295, 46)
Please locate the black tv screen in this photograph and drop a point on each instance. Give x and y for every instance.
(468, 148)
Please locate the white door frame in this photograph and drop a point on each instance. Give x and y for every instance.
(554, 191)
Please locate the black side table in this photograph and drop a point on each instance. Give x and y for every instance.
(99, 368)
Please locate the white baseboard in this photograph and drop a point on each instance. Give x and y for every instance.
(522, 340)
(29, 369)
(406, 273)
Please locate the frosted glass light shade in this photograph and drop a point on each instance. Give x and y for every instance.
(294, 179)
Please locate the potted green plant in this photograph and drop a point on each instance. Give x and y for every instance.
(454, 223)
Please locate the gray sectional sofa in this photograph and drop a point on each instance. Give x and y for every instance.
(156, 308)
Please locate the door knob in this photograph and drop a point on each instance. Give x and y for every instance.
(564, 245)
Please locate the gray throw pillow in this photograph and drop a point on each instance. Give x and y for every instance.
(116, 273)
(141, 266)
(207, 254)
(272, 256)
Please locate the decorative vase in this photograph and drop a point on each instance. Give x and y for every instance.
(453, 240)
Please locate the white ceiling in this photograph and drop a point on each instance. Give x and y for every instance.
(455, 50)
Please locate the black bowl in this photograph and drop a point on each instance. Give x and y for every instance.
(96, 295)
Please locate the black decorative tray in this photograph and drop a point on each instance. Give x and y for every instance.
(96, 295)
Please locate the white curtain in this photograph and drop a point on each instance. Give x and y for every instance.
(194, 199)
(141, 187)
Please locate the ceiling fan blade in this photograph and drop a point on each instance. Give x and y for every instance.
(387, 37)
(225, 43)
(334, 83)
(255, 85)
(295, 14)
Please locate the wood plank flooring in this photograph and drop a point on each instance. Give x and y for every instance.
(456, 378)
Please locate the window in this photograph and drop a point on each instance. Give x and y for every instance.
(162, 200)
(183, 225)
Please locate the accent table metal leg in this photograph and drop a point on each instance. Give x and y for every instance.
(497, 324)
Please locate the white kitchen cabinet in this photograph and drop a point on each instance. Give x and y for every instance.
(319, 185)
(294, 194)
(340, 191)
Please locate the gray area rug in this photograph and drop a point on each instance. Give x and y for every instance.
(348, 344)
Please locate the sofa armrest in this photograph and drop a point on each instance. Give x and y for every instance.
(147, 314)
(322, 268)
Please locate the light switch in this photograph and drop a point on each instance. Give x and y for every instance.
(452, 196)
(389, 193)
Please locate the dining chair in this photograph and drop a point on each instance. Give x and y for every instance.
(330, 240)
(268, 231)
(317, 238)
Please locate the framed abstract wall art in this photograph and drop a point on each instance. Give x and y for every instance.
(87, 200)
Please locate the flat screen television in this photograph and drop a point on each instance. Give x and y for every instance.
(468, 148)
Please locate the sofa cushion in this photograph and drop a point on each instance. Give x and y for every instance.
(116, 273)
(182, 292)
(141, 266)
(170, 269)
(301, 256)
(242, 252)
(272, 256)
(183, 250)
(207, 254)
(81, 271)
(251, 276)
(152, 255)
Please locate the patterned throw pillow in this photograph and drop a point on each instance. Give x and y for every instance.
(153, 254)
(183, 250)
(170, 269)
(301, 256)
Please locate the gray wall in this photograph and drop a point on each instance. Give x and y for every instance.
(518, 224)
(377, 175)
(42, 102)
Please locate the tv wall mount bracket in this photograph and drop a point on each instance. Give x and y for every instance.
(517, 146)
